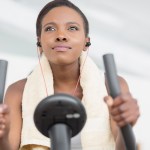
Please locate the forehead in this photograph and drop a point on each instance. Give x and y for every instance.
(62, 14)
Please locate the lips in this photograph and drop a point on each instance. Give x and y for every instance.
(61, 48)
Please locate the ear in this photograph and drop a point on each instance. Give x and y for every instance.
(39, 45)
(87, 40)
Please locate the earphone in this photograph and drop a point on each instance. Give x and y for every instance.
(38, 44)
(88, 44)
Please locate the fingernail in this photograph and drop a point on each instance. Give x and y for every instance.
(1, 109)
(108, 100)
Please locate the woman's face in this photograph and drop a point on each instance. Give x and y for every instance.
(63, 36)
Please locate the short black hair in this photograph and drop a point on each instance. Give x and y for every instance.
(58, 3)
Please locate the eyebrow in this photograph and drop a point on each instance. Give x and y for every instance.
(53, 23)
(49, 23)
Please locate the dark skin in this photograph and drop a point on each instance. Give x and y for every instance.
(63, 39)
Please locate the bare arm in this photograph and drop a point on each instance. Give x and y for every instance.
(10, 140)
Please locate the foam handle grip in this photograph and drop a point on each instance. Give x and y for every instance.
(114, 90)
(3, 72)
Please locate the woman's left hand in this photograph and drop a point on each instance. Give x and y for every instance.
(123, 109)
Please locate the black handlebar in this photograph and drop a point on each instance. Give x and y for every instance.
(114, 90)
(60, 117)
(3, 72)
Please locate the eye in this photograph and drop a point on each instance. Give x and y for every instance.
(73, 28)
(50, 28)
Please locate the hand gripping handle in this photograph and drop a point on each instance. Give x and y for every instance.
(114, 89)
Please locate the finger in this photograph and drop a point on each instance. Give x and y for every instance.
(2, 126)
(4, 109)
(109, 101)
(126, 118)
(116, 110)
(2, 120)
(121, 121)
(2, 130)
(1, 133)
(130, 106)
(121, 99)
(130, 120)
(121, 124)
(122, 117)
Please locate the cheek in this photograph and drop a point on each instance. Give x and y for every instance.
(79, 42)
(46, 40)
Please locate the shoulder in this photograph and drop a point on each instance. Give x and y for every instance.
(15, 91)
(17, 87)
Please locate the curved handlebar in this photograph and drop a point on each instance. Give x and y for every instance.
(3, 71)
(114, 89)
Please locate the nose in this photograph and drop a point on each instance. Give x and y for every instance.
(61, 37)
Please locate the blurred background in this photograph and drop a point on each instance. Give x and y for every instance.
(118, 27)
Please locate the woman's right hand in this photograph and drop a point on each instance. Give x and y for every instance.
(4, 121)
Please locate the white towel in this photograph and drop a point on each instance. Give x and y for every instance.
(96, 134)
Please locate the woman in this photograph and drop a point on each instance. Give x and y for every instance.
(62, 39)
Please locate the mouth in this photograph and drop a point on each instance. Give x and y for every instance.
(61, 48)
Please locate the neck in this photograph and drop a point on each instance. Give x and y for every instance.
(66, 79)
(66, 74)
